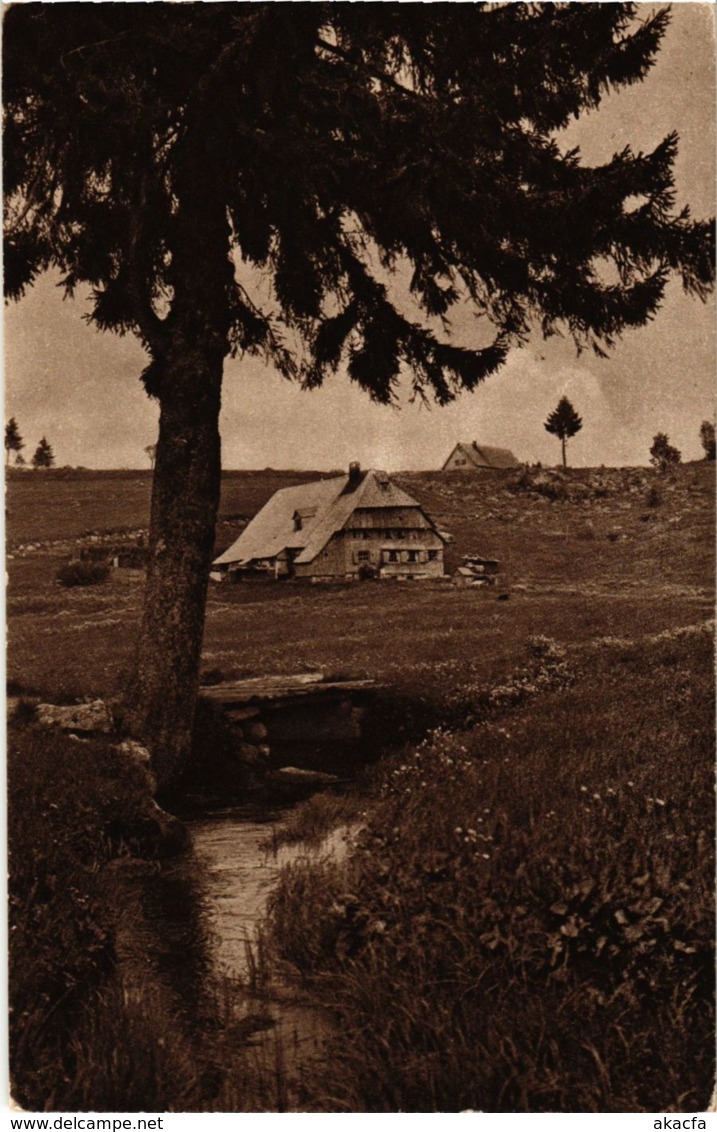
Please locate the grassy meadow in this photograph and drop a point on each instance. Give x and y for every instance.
(573, 568)
(526, 921)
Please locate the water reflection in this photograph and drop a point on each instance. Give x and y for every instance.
(187, 934)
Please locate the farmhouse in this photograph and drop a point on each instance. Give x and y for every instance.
(358, 525)
(472, 457)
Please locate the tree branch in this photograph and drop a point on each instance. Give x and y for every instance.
(372, 72)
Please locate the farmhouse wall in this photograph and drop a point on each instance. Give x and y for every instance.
(335, 560)
(392, 551)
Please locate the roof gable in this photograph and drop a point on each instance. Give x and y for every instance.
(485, 456)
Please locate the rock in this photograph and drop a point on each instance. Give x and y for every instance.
(141, 757)
(135, 751)
(257, 732)
(92, 717)
(248, 754)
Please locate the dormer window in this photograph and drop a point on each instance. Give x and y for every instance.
(301, 516)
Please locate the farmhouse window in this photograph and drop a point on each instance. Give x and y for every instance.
(412, 556)
(432, 555)
(392, 555)
(363, 556)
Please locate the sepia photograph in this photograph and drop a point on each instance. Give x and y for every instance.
(359, 382)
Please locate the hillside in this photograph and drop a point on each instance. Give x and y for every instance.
(67, 503)
(609, 526)
(614, 552)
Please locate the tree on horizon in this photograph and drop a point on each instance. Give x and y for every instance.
(44, 457)
(707, 438)
(13, 440)
(151, 452)
(259, 178)
(564, 423)
(663, 455)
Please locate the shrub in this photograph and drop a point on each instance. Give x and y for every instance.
(663, 455)
(63, 800)
(79, 573)
(654, 497)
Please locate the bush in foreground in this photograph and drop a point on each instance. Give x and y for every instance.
(527, 921)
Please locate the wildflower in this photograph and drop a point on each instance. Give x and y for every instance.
(596, 797)
(660, 801)
(630, 782)
(584, 789)
(486, 856)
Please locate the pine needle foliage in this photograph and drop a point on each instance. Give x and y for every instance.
(338, 137)
(44, 456)
(13, 439)
(564, 423)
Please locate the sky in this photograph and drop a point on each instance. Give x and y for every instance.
(80, 388)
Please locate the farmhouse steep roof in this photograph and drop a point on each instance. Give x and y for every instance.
(485, 455)
(332, 502)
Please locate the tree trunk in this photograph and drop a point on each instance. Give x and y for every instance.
(565, 461)
(161, 692)
(162, 689)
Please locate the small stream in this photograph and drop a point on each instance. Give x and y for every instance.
(190, 925)
(239, 869)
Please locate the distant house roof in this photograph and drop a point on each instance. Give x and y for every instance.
(324, 507)
(484, 456)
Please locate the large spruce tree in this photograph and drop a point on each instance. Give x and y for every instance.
(166, 154)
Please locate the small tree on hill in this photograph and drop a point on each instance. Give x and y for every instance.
(19, 460)
(564, 422)
(662, 454)
(44, 456)
(13, 440)
(707, 436)
(151, 451)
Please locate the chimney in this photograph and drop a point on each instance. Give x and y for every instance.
(354, 473)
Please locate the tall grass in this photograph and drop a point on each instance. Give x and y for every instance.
(528, 922)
